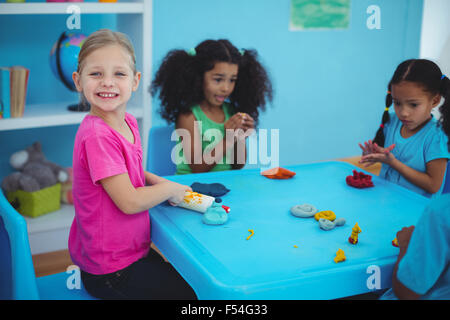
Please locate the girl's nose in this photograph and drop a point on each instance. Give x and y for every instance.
(225, 86)
(107, 81)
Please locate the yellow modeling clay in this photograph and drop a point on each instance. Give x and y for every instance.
(340, 256)
(327, 214)
(251, 233)
(353, 239)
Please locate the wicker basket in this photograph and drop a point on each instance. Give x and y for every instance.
(35, 204)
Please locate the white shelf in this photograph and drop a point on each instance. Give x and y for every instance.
(60, 219)
(50, 115)
(60, 8)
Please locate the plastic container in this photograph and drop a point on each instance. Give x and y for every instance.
(35, 204)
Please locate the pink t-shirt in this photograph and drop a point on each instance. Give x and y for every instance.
(103, 239)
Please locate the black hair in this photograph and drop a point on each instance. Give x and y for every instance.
(179, 79)
(429, 76)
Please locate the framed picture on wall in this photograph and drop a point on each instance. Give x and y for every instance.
(319, 14)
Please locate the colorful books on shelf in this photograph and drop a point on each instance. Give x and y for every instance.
(13, 91)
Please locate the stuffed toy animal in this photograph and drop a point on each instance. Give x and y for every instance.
(34, 173)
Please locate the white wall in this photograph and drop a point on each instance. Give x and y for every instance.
(435, 37)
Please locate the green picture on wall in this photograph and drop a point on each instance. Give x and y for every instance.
(319, 14)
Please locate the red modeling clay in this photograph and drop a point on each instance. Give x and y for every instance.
(359, 180)
(278, 173)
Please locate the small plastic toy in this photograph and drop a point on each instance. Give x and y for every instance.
(340, 256)
(359, 180)
(327, 214)
(395, 242)
(353, 239)
(251, 233)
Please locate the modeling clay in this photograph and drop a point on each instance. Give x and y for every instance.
(215, 215)
(359, 180)
(327, 214)
(210, 189)
(227, 209)
(251, 233)
(278, 173)
(340, 256)
(304, 210)
(326, 224)
(353, 239)
(395, 242)
(295, 246)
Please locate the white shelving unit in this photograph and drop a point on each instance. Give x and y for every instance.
(50, 232)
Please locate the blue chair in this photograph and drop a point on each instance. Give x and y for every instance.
(159, 151)
(17, 277)
(446, 188)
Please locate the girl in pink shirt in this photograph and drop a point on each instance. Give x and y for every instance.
(110, 235)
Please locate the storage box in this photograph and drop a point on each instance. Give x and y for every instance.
(35, 204)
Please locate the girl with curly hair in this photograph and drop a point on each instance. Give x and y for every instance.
(208, 92)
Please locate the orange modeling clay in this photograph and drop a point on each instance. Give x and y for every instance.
(278, 173)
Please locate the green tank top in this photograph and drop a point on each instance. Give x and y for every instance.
(206, 124)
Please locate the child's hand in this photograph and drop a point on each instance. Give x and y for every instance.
(367, 148)
(178, 192)
(242, 121)
(403, 236)
(373, 153)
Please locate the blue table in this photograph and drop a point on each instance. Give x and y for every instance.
(219, 263)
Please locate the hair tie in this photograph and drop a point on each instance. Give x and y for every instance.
(443, 76)
(191, 52)
(388, 92)
(242, 52)
(382, 126)
(386, 109)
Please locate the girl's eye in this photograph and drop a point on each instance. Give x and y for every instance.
(120, 74)
(413, 105)
(94, 74)
(217, 80)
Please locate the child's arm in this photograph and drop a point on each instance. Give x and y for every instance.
(401, 291)
(132, 200)
(430, 180)
(186, 121)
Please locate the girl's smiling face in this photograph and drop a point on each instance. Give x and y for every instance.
(107, 78)
(219, 82)
(413, 105)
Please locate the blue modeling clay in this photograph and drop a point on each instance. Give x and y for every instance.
(304, 210)
(326, 224)
(215, 215)
(210, 189)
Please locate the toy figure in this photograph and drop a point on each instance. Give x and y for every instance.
(353, 239)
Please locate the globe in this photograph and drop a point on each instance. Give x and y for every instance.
(64, 61)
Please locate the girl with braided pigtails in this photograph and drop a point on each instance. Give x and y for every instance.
(212, 88)
(411, 143)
